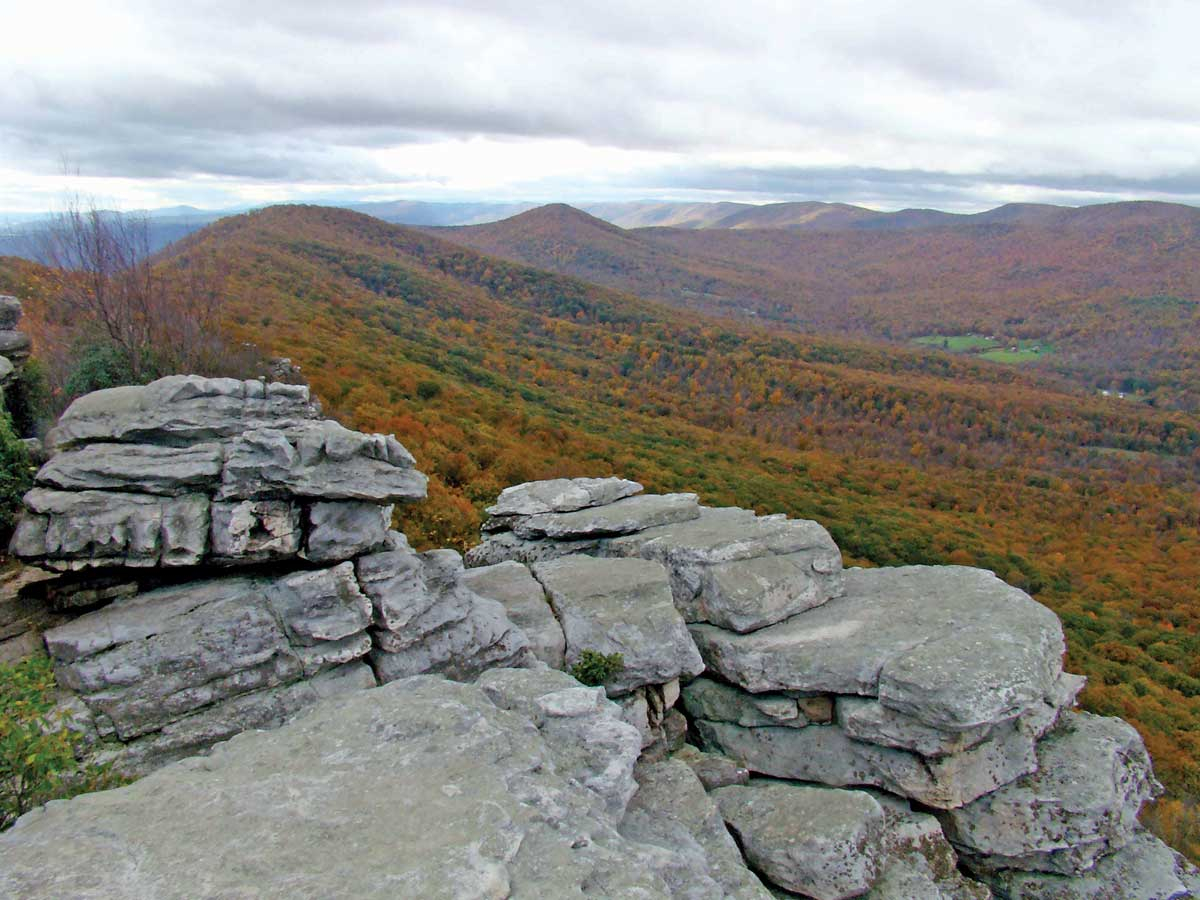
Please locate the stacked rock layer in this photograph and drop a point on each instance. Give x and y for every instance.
(226, 560)
(937, 686)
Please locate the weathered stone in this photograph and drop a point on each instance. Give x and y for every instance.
(1144, 869)
(1082, 803)
(7, 371)
(866, 719)
(201, 730)
(740, 571)
(322, 460)
(147, 661)
(918, 862)
(250, 531)
(952, 647)
(621, 517)
(344, 529)
(14, 345)
(561, 495)
(77, 530)
(524, 600)
(591, 743)
(820, 842)
(10, 312)
(431, 621)
(179, 410)
(620, 606)
(824, 754)
(320, 606)
(717, 702)
(700, 860)
(439, 793)
(713, 770)
(143, 468)
(506, 546)
(23, 616)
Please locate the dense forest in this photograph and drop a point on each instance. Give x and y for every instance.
(493, 372)
(1114, 289)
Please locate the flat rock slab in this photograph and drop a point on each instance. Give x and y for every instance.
(825, 755)
(144, 468)
(820, 842)
(179, 410)
(622, 517)
(514, 587)
(620, 606)
(423, 788)
(561, 495)
(1093, 777)
(1144, 869)
(953, 647)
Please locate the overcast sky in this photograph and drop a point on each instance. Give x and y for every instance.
(956, 105)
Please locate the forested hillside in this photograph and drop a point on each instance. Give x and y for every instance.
(1109, 294)
(494, 372)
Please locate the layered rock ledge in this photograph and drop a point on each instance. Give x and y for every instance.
(225, 562)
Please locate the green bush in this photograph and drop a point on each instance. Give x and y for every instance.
(595, 668)
(37, 752)
(28, 399)
(15, 475)
(99, 366)
(427, 390)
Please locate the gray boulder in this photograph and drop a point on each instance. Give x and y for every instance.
(14, 345)
(525, 603)
(1082, 803)
(592, 745)
(620, 606)
(142, 468)
(671, 811)
(320, 459)
(68, 531)
(250, 531)
(344, 529)
(952, 647)
(10, 312)
(428, 620)
(740, 571)
(436, 792)
(1144, 869)
(180, 410)
(824, 754)
(820, 842)
(143, 663)
(561, 495)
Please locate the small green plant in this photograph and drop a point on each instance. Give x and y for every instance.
(37, 750)
(595, 668)
(15, 475)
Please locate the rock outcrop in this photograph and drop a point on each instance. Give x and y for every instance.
(226, 563)
(941, 686)
(232, 556)
(515, 787)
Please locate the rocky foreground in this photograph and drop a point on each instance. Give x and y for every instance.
(777, 726)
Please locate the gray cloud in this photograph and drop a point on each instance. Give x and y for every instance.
(866, 100)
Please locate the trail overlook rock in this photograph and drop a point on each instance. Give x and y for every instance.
(320, 711)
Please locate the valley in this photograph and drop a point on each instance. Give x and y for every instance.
(494, 372)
